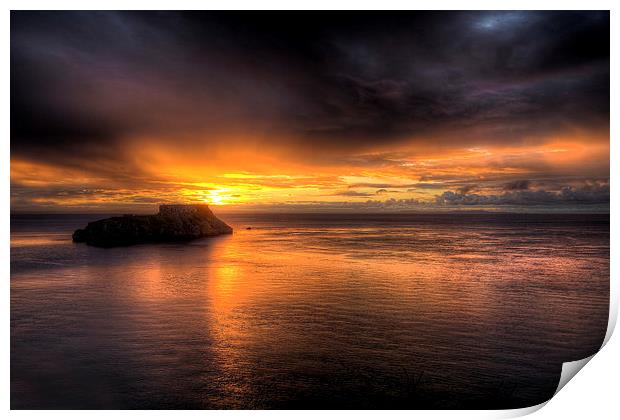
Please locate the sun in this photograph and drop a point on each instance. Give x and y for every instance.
(216, 197)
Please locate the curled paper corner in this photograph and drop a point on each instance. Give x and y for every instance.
(613, 316)
(569, 370)
(520, 412)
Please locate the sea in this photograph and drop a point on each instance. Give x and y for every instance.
(308, 311)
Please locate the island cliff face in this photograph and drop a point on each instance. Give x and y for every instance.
(173, 223)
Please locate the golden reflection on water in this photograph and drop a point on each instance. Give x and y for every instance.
(252, 296)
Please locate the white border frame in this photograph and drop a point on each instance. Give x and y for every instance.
(592, 394)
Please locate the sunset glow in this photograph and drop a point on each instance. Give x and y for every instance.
(277, 177)
(245, 136)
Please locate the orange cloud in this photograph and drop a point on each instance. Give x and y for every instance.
(253, 174)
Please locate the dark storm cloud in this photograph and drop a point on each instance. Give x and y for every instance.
(82, 82)
(351, 193)
(588, 194)
(517, 185)
(467, 189)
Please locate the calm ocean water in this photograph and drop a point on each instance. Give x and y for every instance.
(322, 311)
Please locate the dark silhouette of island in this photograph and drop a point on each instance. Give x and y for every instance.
(173, 223)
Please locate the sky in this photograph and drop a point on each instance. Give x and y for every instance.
(310, 111)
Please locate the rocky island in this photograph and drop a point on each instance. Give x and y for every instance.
(173, 223)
